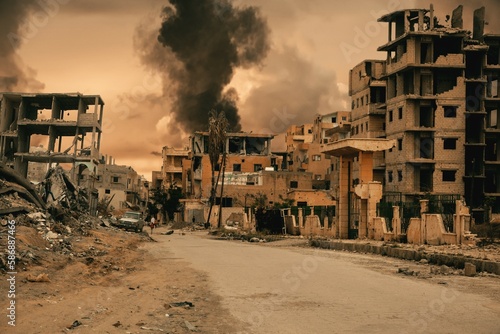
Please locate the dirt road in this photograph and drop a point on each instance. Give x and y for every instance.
(120, 282)
(301, 290)
(115, 287)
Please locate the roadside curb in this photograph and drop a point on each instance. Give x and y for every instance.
(455, 261)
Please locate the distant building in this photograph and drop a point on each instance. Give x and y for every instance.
(120, 184)
(171, 171)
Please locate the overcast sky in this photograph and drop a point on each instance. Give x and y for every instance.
(111, 48)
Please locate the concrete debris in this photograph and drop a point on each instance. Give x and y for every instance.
(39, 278)
(189, 326)
(470, 269)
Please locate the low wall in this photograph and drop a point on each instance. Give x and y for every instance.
(455, 261)
(429, 230)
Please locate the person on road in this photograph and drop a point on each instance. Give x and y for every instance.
(152, 224)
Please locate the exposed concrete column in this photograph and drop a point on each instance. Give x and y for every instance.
(343, 200)
(52, 138)
(424, 206)
(406, 21)
(396, 221)
(389, 38)
(420, 20)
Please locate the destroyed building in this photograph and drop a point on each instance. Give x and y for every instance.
(304, 147)
(119, 184)
(171, 169)
(441, 107)
(69, 124)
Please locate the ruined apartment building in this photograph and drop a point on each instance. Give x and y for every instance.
(69, 124)
(251, 170)
(304, 146)
(441, 107)
(119, 184)
(367, 89)
(171, 170)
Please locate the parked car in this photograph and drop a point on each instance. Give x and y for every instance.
(131, 220)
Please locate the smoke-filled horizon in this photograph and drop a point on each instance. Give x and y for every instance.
(209, 39)
(14, 75)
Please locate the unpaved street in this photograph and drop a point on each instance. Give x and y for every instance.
(121, 282)
(285, 290)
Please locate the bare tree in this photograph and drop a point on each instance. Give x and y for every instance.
(217, 128)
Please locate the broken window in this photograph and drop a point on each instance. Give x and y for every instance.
(294, 185)
(344, 118)
(400, 144)
(449, 175)
(473, 65)
(257, 167)
(400, 175)
(390, 115)
(426, 180)
(425, 53)
(316, 157)
(236, 145)
(115, 179)
(107, 191)
(236, 167)
(491, 149)
(334, 119)
(389, 176)
(257, 146)
(426, 116)
(445, 80)
(426, 148)
(446, 46)
(450, 143)
(450, 111)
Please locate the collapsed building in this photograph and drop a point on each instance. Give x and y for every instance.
(70, 123)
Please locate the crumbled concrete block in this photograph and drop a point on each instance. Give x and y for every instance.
(470, 269)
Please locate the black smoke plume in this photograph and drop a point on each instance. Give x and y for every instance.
(14, 75)
(210, 39)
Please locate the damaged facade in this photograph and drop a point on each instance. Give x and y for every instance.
(69, 123)
(441, 108)
(171, 169)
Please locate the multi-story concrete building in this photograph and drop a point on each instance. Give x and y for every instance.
(70, 124)
(304, 147)
(441, 93)
(367, 89)
(247, 155)
(121, 184)
(171, 171)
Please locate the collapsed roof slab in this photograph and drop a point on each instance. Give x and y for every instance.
(351, 146)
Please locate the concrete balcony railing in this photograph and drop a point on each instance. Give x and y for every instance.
(394, 65)
(451, 59)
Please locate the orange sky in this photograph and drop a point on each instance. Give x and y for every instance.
(88, 46)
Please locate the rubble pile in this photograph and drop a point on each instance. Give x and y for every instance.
(55, 210)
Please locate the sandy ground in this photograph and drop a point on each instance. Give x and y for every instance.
(108, 284)
(112, 281)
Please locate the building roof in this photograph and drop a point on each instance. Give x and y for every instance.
(67, 101)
